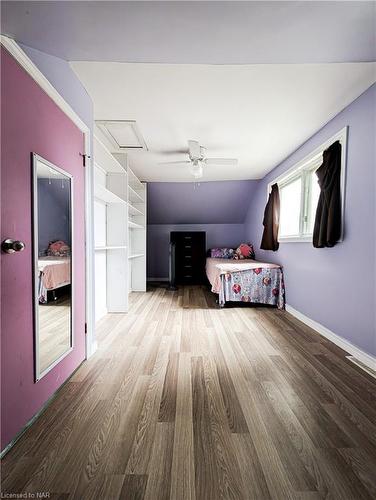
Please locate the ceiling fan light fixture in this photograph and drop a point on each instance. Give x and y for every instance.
(197, 160)
(196, 169)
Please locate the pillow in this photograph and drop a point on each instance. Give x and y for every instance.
(58, 249)
(244, 251)
(222, 253)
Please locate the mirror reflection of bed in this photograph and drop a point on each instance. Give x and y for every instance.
(53, 274)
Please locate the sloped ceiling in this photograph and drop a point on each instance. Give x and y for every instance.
(196, 32)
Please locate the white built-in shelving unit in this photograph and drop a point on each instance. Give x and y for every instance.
(120, 230)
(136, 232)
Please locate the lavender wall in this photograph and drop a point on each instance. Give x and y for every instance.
(65, 81)
(335, 286)
(158, 238)
(53, 212)
(219, 202)
(219, 208)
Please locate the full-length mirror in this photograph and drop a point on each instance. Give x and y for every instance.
(52, 226)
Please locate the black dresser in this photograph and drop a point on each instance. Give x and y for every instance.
(190, 256)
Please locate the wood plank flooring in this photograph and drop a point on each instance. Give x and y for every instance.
(187, 401)
(54, 331)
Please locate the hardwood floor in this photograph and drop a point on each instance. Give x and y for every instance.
(186, 401)
(54, 331)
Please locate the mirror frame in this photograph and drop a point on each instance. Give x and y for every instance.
(35, 158)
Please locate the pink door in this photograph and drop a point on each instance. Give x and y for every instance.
(32, 123)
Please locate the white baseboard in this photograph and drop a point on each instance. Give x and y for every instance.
(118, 309)
(365, 358)
(157, 279)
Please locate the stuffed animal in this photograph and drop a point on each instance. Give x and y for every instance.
(58, 249)
(244, 251)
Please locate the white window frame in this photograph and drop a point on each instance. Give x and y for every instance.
(303, 169)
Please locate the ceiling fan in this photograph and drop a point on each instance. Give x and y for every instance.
(197, 160)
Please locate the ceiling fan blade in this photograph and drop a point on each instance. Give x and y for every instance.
(173, 151)
(175, 163)
(221, 161)
(194, 149)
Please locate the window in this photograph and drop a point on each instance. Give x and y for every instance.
(313, 199)
(290, 196)
(299, 193)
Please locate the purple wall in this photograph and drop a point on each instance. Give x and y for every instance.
(219, 208)
(334, 286)
(53, 212)
(31, 121)
(220, 202)
(158, 238)
(65, 81)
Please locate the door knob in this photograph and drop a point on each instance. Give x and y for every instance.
(12, 246)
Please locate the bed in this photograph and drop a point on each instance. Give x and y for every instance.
(246, 281)
(54, 272)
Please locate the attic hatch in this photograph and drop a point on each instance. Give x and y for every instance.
(122, 134)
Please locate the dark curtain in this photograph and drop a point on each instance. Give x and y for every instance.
(327, 229)
(271, 221)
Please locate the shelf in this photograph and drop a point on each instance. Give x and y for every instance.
(103, 194)
(133, 181)
(134, 256)
(120, 227)
(134, 196)
(133, 225)
(98, 249)
(105, 159)
(136, 186)
(133, 210)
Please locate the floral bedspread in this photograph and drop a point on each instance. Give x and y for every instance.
(259, 286)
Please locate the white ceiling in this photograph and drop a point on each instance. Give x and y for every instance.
(256, 113)
(206, 32)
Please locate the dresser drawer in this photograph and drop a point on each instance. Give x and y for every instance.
(190, 256)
